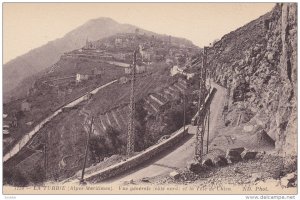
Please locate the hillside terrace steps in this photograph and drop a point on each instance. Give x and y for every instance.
(102, 121)
(156, 99)
(174, 89)
(160, 97)
(151, 108)
(183, 86)
(98, 128)
(112, 119)
(177, 86)
(117, 120)
(98, 124)
(105, 121)
(118, 117)
(122, 121)
(170, 92)
(154, 103)
(167, 96)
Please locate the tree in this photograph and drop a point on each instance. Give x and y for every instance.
(113, 137)
(140, 125)
(98, 148)
(37, 175)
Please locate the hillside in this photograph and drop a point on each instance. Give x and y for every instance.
(257, 64)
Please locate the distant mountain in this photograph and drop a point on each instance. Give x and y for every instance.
(42, 57)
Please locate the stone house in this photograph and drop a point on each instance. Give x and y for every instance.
(81, 77)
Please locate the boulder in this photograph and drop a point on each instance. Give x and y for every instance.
(289, 180)
(234, 155)
(220, 161)
(145, 179)
(208, 162)
(246, 154)
(196, 167)
(175, 175)
(256, 177)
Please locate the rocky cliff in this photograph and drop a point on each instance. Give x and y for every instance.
(258, 65)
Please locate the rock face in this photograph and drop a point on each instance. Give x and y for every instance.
(258, 63)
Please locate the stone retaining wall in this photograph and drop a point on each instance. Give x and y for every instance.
(137, 159)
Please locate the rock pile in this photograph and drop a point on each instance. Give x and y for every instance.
(216, 158)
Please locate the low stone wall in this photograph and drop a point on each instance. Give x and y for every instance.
(137, 159)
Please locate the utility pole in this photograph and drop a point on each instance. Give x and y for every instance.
(207, 140)
(200, 119)
(184, 110)
(86, 151)
(130, 134)
(208, 112)
(45, 154)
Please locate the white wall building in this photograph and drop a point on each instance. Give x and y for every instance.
(81, 77)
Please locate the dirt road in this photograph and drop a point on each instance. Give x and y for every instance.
(179, 156)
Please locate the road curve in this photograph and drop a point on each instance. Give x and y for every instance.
(177, 157)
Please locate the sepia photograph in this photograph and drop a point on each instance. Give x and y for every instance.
(149, 98)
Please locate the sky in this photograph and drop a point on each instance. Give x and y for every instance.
(29, 25)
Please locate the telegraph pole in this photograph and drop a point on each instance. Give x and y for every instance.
(200, 119)
(208, 114)
(45, 154)
(207, 140)
(130, 134)
(86, 151)
(184, 110)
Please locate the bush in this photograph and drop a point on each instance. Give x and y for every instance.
(97, 148)
(37, 175)
(14, 177)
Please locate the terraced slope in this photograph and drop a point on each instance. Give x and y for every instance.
(154, 103)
